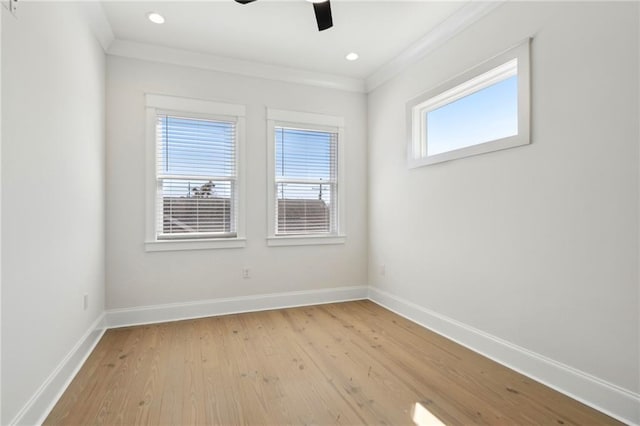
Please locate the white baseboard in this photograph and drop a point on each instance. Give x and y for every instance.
(44, 399)
(234, 305)
(36, 410)
(608, 398)
(617, 402)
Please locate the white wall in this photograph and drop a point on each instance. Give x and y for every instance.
(137, 278)
(537, 245)
(53, 208)
(0, 222)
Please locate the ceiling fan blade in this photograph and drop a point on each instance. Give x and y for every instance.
(323, 15)
(245, 1)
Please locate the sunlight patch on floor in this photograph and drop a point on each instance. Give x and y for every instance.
(423, 417)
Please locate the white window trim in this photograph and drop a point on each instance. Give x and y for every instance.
(195, 108)
(470, 82)
(311, 121)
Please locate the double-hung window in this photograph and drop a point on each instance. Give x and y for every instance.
(194, 181)
(306, 190)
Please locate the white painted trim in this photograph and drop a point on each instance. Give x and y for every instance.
(38, 407)
(638, 205)
(154, 53)
(304, 118)
(155, 104)
(305, 240)
(606, 397)
(514, 61)
(191, 105)
(99, 23)
(194, 244)
(233, 305)
(36, 410)
(450, 27)
(150, 175)
(270, 181)
(307, 121)
(435, 38)
(1, 12)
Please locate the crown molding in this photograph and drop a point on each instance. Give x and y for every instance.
(453, 25)
(154, 53)
(99, 23)
(447, 29)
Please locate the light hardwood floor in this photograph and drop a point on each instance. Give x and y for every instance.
(344, 363)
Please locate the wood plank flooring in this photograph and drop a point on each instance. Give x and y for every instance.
(344, 364)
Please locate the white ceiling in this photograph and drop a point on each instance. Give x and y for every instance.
(284, 33)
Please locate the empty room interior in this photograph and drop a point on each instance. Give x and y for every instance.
(320, 212)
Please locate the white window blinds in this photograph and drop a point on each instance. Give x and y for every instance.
(305, 181)
(196, 177)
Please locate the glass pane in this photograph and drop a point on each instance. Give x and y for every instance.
(486, 115)
(197, 147)
(191, 206)
(304, 208)
(305, 154)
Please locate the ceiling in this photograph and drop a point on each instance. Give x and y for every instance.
(284, 33)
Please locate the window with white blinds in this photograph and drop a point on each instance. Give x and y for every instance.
(305, 181)
(305, 163)
(196, 175)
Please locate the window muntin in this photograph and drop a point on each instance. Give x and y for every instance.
(482, 110)
(305, 181)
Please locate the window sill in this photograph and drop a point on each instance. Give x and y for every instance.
(305, 240)
(204, 244)
(481, 148)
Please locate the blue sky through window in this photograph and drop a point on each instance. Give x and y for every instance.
(303, 154)
(483, 116)
(197, 147)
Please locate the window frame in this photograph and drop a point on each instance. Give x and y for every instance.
(465, 84)
(197, 109)
(312, 122)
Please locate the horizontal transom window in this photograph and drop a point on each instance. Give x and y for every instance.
(485, 109)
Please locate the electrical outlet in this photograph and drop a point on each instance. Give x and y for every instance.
(383, 270)
(246, 273)
(85, 301)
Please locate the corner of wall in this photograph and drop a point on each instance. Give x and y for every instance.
(606, 397)
(37, 408)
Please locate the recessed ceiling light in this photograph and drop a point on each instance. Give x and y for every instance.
(155, 17)
(352, 56)
(317, 1)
